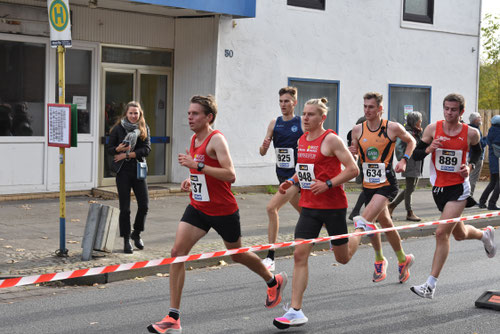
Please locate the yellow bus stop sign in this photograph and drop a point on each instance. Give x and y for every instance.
(59, 21)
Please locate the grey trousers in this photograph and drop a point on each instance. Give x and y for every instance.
(474, 176)
(411, 183)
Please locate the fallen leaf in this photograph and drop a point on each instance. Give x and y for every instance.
(7, 246)
(75, 220)
(335, 264)
(26, 207)
(20, 250)
(44, 237)
(73, 242)
(92, 201)
(222, 263)
(101, 287)
(94, 323)
(12, 261)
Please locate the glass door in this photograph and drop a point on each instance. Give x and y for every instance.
(119, 86)
(152, 89)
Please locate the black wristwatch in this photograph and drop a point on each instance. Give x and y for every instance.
(329, 184)
(201, 165)
(473, 165)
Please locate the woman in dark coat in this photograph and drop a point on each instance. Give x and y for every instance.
(493, 139)
(130, 142)
(413, 168)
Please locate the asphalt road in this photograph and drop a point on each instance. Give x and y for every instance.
(230, 299)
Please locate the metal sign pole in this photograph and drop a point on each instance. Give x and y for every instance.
(62, 251)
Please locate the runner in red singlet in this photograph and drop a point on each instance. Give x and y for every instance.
(320, 155)
(448, 140)
(212, 206)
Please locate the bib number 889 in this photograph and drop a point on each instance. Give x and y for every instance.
(449, 161)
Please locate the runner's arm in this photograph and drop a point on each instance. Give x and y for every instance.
(407, 138)
(422, 148)
(336, 147)
(225, 172)
(355, 134)
(267, 140)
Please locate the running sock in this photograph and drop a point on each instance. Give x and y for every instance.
(379, 255)
(431, 281)
(270, 254)
(296, 309)
(272, 282)
(401, 256)
(174, 313)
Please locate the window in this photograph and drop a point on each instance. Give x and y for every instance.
(136, 56)
(403, 99)
(313, 4)
(78, 84)
(313, 89)
(418, 11)
(22, 89)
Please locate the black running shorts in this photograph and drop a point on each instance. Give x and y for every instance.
(390, 191)
(457, 192)
(311, 221)
(228, 227)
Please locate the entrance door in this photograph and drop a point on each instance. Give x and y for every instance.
(151, 88)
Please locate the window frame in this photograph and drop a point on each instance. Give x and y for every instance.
(306, 4)
(337, 82)
(429, 18)
(409, 86)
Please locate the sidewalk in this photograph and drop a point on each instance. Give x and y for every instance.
(29, 232)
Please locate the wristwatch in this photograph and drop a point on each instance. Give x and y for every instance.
(473, 165)
(201, 165)
(329, 184)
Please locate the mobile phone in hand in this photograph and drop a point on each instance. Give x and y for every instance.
(126, 143)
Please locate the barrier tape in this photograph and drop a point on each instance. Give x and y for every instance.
(27, 280)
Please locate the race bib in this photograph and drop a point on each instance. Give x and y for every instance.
(374, 172)
(448, 160)
(305, 172)
(199, 188)
(285, 158)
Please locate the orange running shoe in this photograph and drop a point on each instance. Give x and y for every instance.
(380, 270)
(404, 268)
(274, 294)
(166, 325)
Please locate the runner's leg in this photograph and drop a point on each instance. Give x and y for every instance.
(186, 237)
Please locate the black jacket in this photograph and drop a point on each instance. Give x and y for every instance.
(142, 148)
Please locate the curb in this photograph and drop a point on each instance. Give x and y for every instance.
(280, 252)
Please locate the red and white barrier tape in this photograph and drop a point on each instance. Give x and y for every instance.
(19, 281)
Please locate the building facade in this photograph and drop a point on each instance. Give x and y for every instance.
(161, 52)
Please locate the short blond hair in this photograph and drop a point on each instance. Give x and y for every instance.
(320, 104)
(379, 98)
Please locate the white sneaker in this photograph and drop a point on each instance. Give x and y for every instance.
(291, 318)
(424, 290)
(269, 264)
(489, 241)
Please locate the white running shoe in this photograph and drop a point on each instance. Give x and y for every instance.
(489, 241)
(291, 318)
(424, 290)
(269, 264)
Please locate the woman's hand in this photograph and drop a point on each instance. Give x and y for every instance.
(119, 157)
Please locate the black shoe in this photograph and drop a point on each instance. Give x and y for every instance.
(127, 246)
(493, 207)
(470, 202)
(137, 240)
(482, 205)
(353, 214)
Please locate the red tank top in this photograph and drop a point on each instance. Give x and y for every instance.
(323, 168)
(220, 200)
(446, 161)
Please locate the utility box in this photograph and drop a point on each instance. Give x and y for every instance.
(100, 229)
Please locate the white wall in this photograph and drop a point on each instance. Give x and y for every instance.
(365, 45)
(194, 74)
